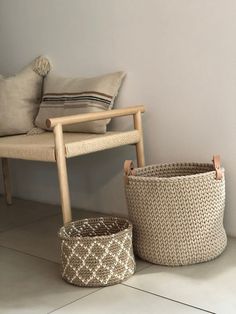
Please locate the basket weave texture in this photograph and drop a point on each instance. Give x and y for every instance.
(177, 213)
(97, 251)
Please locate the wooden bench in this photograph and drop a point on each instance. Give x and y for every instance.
(57, 146)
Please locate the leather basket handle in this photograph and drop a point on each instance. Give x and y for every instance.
(217, 165)
(128, 170)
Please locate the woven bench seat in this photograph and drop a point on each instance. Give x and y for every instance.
(41, 147)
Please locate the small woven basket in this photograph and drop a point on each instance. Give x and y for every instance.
(177, 211)
(97, 252)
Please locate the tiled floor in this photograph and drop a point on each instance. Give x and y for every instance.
(30, 276)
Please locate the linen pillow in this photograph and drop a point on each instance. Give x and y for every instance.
(20, 98)
(69, 96)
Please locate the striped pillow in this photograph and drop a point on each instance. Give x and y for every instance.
(69, 96)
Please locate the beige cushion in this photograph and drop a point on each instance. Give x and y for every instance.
(69, 96)
(19, 99)
(41, 146)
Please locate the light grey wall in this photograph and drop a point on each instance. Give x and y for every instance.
(180, 56)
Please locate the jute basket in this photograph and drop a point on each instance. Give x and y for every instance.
(97, 251)
(177, 211)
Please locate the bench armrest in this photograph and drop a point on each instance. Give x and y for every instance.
(85, 117)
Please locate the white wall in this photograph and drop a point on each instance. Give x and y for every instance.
(180, 56)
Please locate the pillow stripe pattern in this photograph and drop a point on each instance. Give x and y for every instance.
(77, 98)
(68, 96)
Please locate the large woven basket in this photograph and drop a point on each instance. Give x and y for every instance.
(97, 251)
(177, 211)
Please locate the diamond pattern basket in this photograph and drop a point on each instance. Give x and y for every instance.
(97, 251)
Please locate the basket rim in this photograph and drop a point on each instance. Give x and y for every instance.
(62, 235)
(175, 178)
(190, 163)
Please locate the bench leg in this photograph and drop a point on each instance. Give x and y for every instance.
(62, 174)
(139, 145)
(6, 180)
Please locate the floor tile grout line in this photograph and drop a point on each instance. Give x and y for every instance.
(37, 220)
(138, 271)
(31, 255)
(46, 260)
(29, 223)
(85, 296)
(169, 299)
(49, 260)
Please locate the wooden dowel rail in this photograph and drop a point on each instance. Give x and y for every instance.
(6, 180)
(62, 173)
(139, 145)
(85, 117)
(57, 125)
